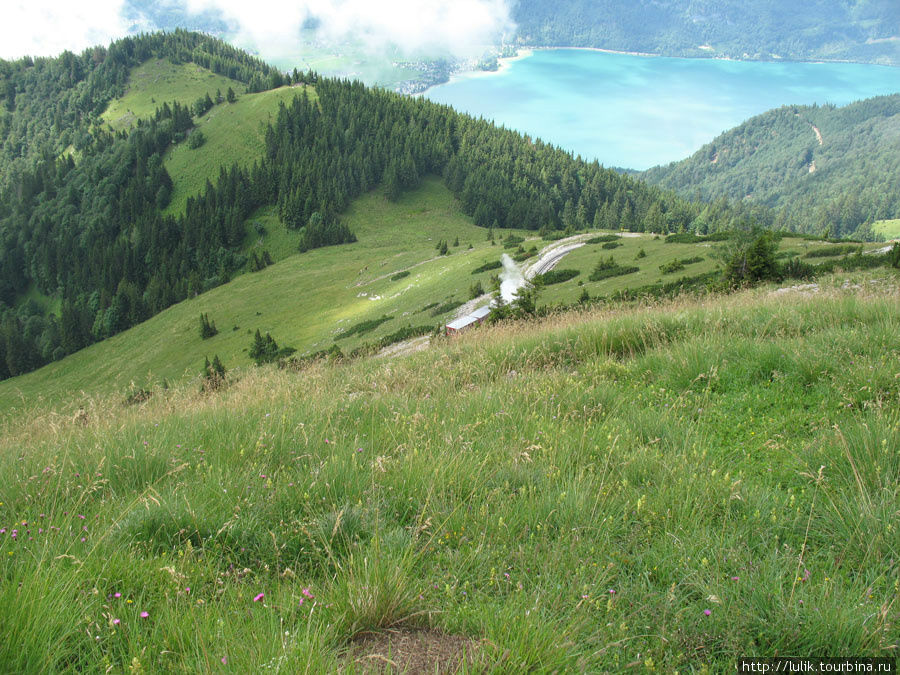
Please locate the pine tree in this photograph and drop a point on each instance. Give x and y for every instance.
(207, 328)
(213, 374)
(257, 350)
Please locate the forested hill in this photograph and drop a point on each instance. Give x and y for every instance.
(855, 30)
(89, 228)
(826, 170)
(49, 106)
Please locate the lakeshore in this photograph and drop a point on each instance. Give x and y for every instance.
(631, 110)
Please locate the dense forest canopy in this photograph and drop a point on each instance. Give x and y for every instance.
(88, 228)
(857, 30)
(825, 170)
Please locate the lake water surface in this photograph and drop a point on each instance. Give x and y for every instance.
(638, 111)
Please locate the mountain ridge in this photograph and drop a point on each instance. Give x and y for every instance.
(823, 169)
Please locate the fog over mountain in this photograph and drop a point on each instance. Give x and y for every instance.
(415, 27)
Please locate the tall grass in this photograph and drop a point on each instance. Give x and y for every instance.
(664, 487)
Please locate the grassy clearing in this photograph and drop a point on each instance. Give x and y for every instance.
(273, 236)
(45, 303)
(658, 254)
(303, 301)
(666, 487)
(235, 134)
(889, 229)
(159, 81)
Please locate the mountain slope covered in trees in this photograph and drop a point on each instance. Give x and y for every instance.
(94, 235)
(857, 30)
(826, 170)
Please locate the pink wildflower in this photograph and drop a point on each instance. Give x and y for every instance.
(144, 615)
(307, 593)
(259, 597)
(707, 612)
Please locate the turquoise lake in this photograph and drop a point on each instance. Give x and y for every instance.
(639, 111)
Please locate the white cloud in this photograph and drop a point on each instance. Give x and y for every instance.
(272, 27)
(416, 27)
(48, 27)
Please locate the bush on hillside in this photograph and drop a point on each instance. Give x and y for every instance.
(213, 375)
(556, 276)
(751, 258)
(207, 327)
(266, 350)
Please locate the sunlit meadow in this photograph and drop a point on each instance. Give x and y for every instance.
(665, 488)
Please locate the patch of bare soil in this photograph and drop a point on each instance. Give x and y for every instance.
(412, 652)
(818, 134)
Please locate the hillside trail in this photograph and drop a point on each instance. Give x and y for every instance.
(546, 260)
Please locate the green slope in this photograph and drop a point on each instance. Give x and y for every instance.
(303, 300)
(234, 133)
(826, 169)
(675, 486)
(306, 300)
(887, 229)
(159, 81)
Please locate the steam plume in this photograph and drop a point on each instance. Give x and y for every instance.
(511, 279)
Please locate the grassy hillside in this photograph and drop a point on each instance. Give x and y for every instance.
(887, 229)
(697, 258)
(303, 300)
(828, 170)
(663, 488)
(234, 133)
(159, 81)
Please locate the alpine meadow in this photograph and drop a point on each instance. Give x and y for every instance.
(302, 374)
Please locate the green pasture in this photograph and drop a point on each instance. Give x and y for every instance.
(303, 300)
(159, 81)
(234, 133)
(658, 489)
(888, 229)
(657, 254)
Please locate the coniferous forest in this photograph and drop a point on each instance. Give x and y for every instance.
(822, 169)
(91, 233)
